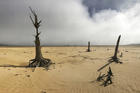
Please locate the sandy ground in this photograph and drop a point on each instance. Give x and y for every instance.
(75, 70)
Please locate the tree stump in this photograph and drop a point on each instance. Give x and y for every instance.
(88, 50)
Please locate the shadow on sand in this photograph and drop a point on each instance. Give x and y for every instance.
(15, 66)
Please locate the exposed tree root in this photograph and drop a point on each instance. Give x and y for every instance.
(115, 59)
(42, 62)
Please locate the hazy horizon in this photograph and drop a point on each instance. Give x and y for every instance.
(29, 45)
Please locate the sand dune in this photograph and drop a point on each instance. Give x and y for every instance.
(75, 70)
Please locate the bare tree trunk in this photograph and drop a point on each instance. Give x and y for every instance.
(88, 50)
(115, 58)
(38, 47)
(117, 46)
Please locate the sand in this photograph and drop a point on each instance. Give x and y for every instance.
(75, 70)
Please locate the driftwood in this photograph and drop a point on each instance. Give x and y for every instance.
(114, 58)
(100, 77)
(104, 66)
(39, 60)
(108, 77)
(108, 80)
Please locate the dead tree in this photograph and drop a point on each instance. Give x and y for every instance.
(115, 58)
(39, 60)
(109, 77)
(105, 65)
(100, 77)
(88, 50)
(110, 71)
(116, 49)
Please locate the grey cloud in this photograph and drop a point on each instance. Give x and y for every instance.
(68, 22)
(98, 5)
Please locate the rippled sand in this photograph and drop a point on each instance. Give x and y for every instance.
(75, 70)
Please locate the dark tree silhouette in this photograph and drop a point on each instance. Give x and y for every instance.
(116, 48)
(115, 58)
(39, 60)
(109, 77)
(88, 50)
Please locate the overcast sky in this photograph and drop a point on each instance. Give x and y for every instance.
(70, 22)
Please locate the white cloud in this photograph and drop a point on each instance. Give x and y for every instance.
(67, 22)
(110, 23)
